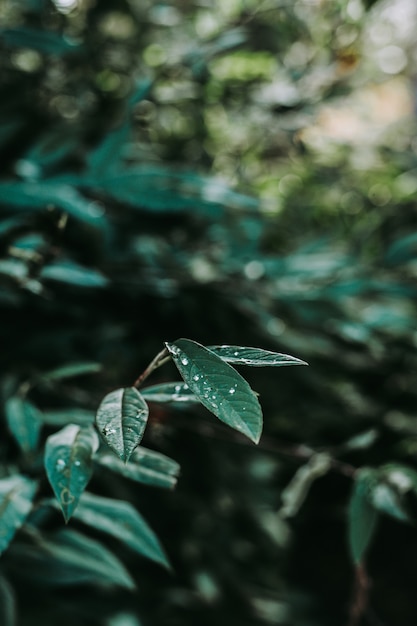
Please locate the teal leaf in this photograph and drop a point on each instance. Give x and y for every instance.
(386, 499)
(169, 392)
(121, 520)
(121, 419)
(73, 274)
(24, 421)
(219, 387)
(16, 497)
(43, 41)
(145, 466)
(362, 515)
(255, 357)
(68, 464)
(297, 490)
(8, 616)
(70, 558)
(70, 371)
(71, 415)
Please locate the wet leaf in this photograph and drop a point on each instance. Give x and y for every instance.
(68, 464)
(24, 421)
(121, 520)
(255, 357)
(16, 497)
(121, 419)
(218, 386)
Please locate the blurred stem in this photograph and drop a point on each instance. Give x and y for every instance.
(359, 603)
(161, 358)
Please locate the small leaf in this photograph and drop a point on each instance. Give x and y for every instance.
(121, 419)
(169, 392)
(255, 357)
(121, 520)
(297, 490)
(24, 421)
(69, 558)
(70, 371)
(146, 466)
(16, 497)
(68, 464)
(218, 386)
(386, 499)
(8, 615)
(362, 516)
(73, 274)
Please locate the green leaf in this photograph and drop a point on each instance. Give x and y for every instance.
(71, 415)
(218, 386)
(70, 371)
(121, 520)
(16, 497)
(169, 392)
(41, 40)
(68, 464)
(296, 491)
(121, 419)
(24, 421)
(146, 466)
(8, 615)
(73, 274)
(255, 357)
(386, 499)
(362, 516)
(69, 558)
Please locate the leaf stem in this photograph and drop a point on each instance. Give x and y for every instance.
(161, 358)
(359, 603)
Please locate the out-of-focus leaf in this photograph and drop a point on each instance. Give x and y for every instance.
(218, 386)
(121, 520)
(8, 615)
(40, 196)
(70, 371)
(296, 491)
(72, 415)
(402, 250)
(123, 619)
(15, 269)
(255, 357)
(69, 558)
(48, 153)
(387, 500)
(24, 421)
(73, 274)
(169, 392)
(68, 464)
(362, 441)
(16, 497)
(121, 419)
(363, 516)
(146, 466)
(41, 40)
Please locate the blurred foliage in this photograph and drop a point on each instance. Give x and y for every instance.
(235, 172)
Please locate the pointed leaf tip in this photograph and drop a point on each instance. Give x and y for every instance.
(218, 386)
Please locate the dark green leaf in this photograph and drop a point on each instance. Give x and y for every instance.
(24, 421)
(121, 520)
(16, 496)
(386, 499)
(69, 558)
(255, 357)
(169, 392)
(362, 516)
(73, 274)
(218, 386)
(297, 490)
(68, 464)
(146, 466)
(8, 615)
(121, 419)
(41, 40)
(70, 371)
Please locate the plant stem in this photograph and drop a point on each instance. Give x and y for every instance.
(161, 358)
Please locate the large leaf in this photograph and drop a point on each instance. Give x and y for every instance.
(121, 520)
(16, 497)
(69, 558)
(362, 516)
(121, 419)
(169, 392)
(218, 386)
(24, 421)
(255, 357)
(146, 466)
(68, 464)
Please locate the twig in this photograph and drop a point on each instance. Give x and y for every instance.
(161, 358)
(359, 604)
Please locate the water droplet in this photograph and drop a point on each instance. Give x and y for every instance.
(177, 388)
(77, 463)
(196, 377)
(184, 360)
(213, 396)
(232, 390)
(236, 353)
(60, 465)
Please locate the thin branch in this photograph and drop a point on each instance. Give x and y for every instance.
(161, 358)
(359, 603)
